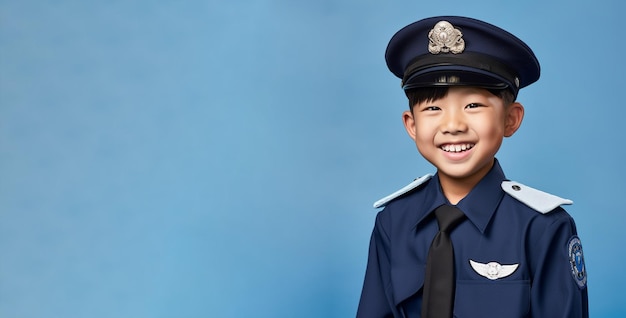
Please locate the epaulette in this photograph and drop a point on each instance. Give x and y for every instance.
(538, 200)
(416, 183)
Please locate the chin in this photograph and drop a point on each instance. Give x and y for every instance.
(463, 171)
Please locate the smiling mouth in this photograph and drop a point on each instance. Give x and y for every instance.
(456, 148)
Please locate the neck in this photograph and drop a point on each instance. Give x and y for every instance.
(455, 188)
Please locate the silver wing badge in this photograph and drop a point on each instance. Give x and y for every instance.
(493, 270)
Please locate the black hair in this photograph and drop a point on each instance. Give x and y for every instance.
(425, 94)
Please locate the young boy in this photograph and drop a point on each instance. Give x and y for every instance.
(467, 242)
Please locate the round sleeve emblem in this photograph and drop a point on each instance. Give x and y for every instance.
(577, 261)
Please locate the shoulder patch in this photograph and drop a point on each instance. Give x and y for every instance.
(416, 183)
(577, 261)
(538, 200)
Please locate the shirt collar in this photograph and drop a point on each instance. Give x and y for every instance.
(479, 205)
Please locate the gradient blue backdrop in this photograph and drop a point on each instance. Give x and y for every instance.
(220, 158)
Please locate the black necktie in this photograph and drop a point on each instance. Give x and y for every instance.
(439, 281)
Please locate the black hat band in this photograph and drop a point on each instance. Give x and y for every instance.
(469, 59)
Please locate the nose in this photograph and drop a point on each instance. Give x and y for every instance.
(453, 122)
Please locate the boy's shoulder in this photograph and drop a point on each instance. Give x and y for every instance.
(537, 200)
(404, 190)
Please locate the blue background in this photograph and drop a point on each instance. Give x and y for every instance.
(220, 158)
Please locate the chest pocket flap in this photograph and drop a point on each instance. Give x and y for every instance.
(406, 280)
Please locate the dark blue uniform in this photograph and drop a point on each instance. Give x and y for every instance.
(510, 259)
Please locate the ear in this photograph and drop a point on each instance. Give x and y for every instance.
(409, 123)
(514, 116)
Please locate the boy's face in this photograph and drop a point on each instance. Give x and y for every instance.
(461, 133)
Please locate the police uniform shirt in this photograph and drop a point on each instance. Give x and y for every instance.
(510, 259)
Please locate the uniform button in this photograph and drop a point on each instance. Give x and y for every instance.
(516, 187)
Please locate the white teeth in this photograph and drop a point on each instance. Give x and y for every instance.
(456, 148)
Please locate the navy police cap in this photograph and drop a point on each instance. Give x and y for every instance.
(460, 51)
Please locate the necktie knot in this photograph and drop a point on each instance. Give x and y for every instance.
(448, 217)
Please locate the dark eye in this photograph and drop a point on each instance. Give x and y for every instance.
(473, 105)
(431, 108)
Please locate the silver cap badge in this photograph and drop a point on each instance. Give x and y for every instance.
(445, 38)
